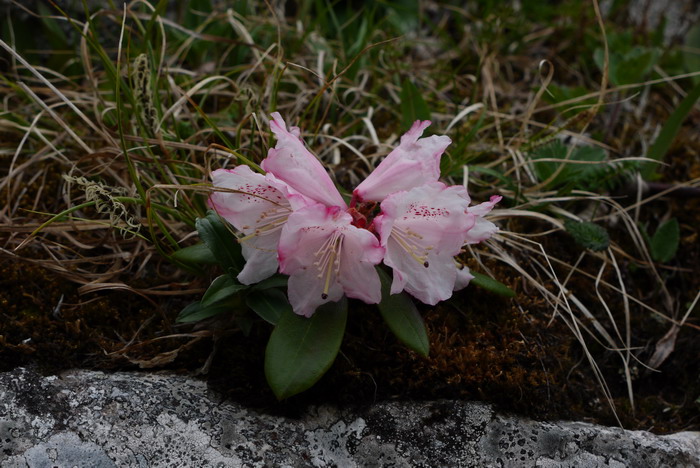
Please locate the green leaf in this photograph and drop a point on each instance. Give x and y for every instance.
(691, 55)
(245, 320)
(401, 315)
(413, 107)
(664, 243)
(195, 255)
(403, 15)
(556, 94)
(491, 284)
(636, 65)
(196, 311)
(587, 234)
(275, 281)
(302, 349)
(668, 132)
(628, 66)
(269, 304)
(221, 288)
(221, 241)
(571, 174)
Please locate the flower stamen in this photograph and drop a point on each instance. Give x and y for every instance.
(328, 262)
(269, 222)
(408, 240)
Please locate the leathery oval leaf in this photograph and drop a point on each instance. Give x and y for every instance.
(401, 315)
(269, 304)
(221, 241)
(196, 311)
(221, 288)
(195, 254)
(301, 350)
(491, 284)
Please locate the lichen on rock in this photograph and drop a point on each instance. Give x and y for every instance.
(92, 419)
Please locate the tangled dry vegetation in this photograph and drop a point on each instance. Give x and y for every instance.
(112, 121)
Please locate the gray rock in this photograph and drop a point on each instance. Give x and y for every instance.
(675, 17)
(91, 419)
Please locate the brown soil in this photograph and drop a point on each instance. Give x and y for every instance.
(483, 347)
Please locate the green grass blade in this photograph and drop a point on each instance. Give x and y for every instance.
(413, 106)
(669, 130)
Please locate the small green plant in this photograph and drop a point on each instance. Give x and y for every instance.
(565, 168)
(663, 245)
(294, 219)
(588, 235)
(628, 63)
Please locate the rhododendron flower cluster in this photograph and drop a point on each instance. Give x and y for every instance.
(294, 220)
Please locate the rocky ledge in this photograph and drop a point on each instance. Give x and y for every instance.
(92, 419)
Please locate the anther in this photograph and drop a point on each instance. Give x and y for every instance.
(324, 296)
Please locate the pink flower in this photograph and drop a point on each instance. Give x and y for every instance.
(258, 206)
(294, 218)
(422, 230)
(326, 256)
(291, 162)
(414, 162)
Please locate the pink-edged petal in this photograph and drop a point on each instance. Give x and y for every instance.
(422, 230)
(431, 217)
(246, 195)
(258, 207)
(304, 233)
(414, 162)
(292, 163)
(482, 229)
(361, 251)
(324, 253)
(296, 200)
(485, 208)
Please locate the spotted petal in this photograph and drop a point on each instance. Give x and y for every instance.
(257, 206)
(422, 230)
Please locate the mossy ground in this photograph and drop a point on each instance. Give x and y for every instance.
(483, 347)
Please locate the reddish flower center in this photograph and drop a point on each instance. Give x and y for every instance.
(363, 214)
